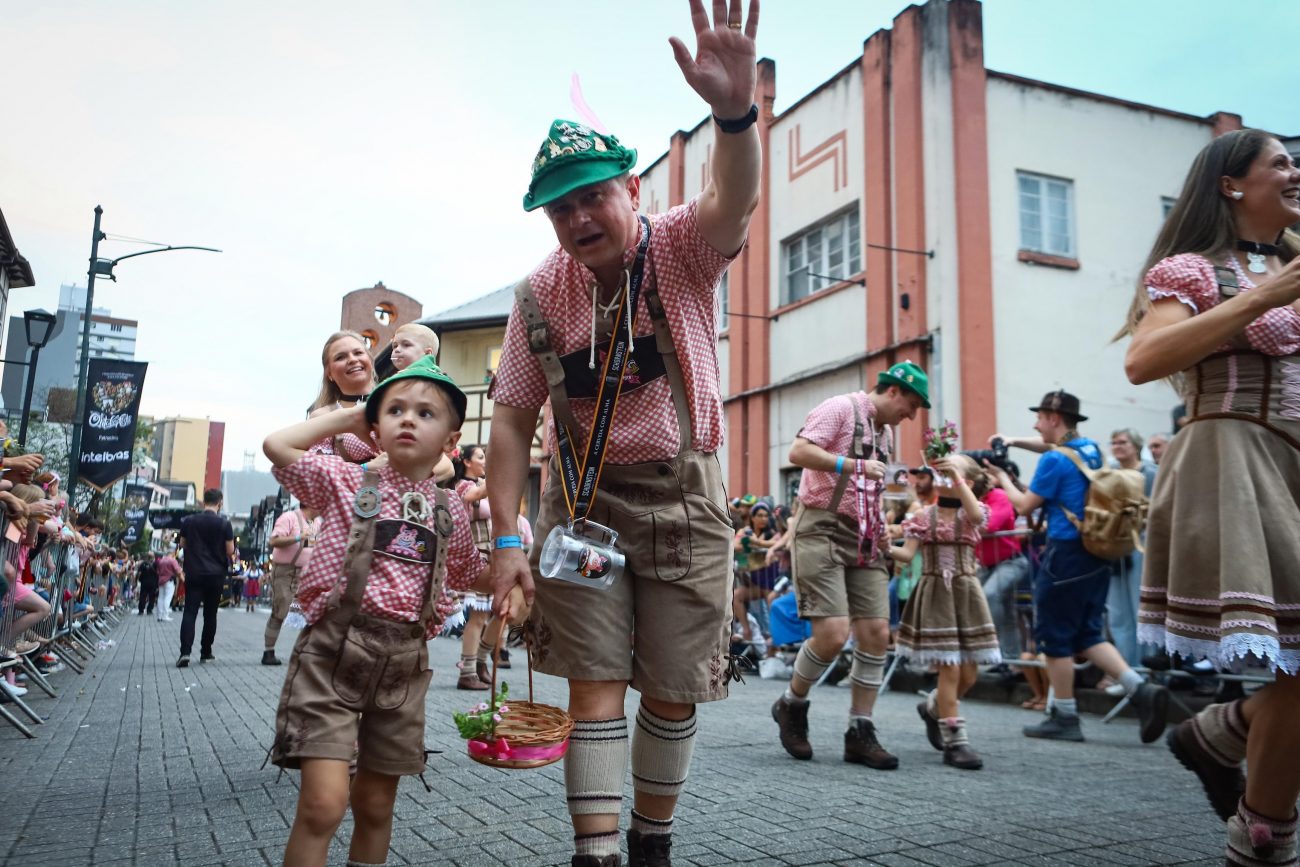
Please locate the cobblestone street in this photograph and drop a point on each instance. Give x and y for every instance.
(142, 763)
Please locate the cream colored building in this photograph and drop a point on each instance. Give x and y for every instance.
(189, 450)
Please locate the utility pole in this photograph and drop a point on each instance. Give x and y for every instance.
(74, 456)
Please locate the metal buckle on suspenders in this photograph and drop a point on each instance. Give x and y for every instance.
(539, 339)
(654, 305)
(1227, 280)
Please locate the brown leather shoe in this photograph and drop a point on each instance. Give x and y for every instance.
(792, 717)
(931, 721)
(471, 681)
(1224, 785)
(649, 850)
(862, 748)
(962, 756)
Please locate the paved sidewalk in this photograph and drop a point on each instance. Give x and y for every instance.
(142, 763)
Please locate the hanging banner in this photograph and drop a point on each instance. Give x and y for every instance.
(135, 511)
(108, 429)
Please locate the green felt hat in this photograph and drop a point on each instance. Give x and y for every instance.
(910, 376)
(574, 155)
(422, 368)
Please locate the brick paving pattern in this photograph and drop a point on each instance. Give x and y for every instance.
(142, 763)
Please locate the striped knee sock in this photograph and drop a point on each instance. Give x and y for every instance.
(645, 826)
(868, 671)
(661, 753)
(1221, 731)
(808, 667)
(599, 845)
(595, 767)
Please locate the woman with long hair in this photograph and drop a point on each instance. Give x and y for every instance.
(347, 372)
(1218, 311)
(757, 574)
(471, 485)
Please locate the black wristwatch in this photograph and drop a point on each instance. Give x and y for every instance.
(739, 124)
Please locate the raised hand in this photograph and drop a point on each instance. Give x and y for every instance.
(722, 71)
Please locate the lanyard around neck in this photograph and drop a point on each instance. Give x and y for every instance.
(580, 479)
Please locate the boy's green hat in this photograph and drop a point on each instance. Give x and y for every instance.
(423, 368)
(910, 376)
(574, 155)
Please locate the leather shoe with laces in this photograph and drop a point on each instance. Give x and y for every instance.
(963, 757)
(1056, 727)
(792, 717)
(861, 747)
(614, 860)
(649, 850)
(932, 732)
(269, 658)
(1152, 704)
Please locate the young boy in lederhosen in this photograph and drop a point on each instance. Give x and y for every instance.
(359, 672)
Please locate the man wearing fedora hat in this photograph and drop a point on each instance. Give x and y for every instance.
(617, 327)
(838, 554)
(1071, 585)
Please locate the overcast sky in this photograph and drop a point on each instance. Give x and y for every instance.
(325, 146)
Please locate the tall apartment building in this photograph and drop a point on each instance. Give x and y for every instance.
(60, 362)
(189, 450)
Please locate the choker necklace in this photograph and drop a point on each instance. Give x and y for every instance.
(1255, 253)
(950, 502)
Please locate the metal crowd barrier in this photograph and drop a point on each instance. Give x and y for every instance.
(68, 631)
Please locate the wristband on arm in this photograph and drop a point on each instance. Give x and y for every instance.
(501, 542)
(839, 465)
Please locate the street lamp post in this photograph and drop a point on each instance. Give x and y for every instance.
(38, 324)
(103, 267)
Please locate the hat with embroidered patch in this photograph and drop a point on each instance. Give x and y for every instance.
(574, 155)
(1061, 402)
(422, 368)
(909, 376)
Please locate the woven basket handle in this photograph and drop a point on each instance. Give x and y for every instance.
(496, 654)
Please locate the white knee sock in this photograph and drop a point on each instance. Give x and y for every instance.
(595, 766)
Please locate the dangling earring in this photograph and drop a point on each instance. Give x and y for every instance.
(1238, 195)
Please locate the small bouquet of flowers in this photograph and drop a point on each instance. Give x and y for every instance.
(480, 721)
(939, 443)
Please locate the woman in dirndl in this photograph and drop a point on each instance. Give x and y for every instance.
(947, 622)
(471, 485)
(1217, 309)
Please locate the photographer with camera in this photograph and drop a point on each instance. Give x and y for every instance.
(1071, 585)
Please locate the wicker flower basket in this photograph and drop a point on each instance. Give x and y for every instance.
(529, 734)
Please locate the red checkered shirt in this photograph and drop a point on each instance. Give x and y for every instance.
(830, 425)
(395, 589)
(1190, 278)
(354, 449)
(686, 271)
(918, 526)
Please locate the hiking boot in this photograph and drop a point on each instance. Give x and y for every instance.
(1057, 727)
(792, 717)
(184, 661)
(649, 850)
(471, 681)
(963, 757)
(614, 860)
(862, 748)
(503, 661)
(1224, 784)
(1152, 704)
(269, 658)
(931, 721)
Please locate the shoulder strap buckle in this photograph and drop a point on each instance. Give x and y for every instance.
(539, 338)
(1227, 280)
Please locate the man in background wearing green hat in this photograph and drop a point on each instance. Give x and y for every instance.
(617, 328)
(839, 554)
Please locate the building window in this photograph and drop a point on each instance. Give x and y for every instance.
(370, 337)
(385, 313)
(790, 479)
(493, 359)
(115, 328)
(1166, 205)
(828, 252)
(1046, 214)
(724, 299)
